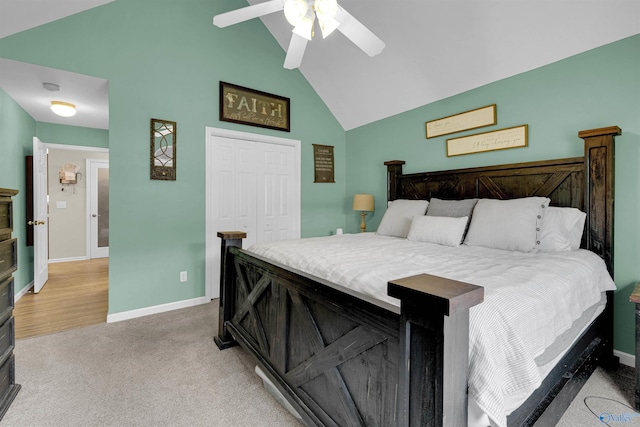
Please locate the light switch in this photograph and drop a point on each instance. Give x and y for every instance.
(61, 205)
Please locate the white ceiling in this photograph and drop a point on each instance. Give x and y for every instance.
(23, 82)
(20, 15)
(434, 49)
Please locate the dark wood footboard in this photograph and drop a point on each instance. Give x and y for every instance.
(342, 361)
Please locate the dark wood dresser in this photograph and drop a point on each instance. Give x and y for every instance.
(8, 264)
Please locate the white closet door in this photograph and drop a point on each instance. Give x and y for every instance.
(275, 202)
(245, 190)
(234, 181)
(253, 189)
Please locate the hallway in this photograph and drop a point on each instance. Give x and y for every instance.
(75, 295)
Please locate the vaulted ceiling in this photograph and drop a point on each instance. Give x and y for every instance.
(434, 48)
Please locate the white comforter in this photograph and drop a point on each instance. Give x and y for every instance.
(530, 298)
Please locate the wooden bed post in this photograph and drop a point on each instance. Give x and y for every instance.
(434, 349)
(394, 170)
(225, 309)
(599, 156)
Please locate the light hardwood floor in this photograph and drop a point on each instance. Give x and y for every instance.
(75, 295)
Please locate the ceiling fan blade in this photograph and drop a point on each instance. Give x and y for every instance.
(244, 14)
(297, 46)
(360, 35)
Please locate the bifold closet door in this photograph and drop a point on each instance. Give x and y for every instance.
(253, 189)
(275, 198)
(235, 181)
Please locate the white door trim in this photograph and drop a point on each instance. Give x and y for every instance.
(55, 146)
(211, 240)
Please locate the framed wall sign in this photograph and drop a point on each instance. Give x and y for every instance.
(473, 119)
(252, 107)
(323, 163)
(514, 137)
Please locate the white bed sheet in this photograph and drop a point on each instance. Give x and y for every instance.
(530, 298)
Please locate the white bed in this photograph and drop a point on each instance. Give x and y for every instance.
(533, 301)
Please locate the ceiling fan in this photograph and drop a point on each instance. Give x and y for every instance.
(302, 14)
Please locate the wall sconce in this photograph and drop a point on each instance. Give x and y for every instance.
(364, 204)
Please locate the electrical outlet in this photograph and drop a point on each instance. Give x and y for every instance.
(183, 276)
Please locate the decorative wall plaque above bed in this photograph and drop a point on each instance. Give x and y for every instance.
(514, 137)
(473, 119)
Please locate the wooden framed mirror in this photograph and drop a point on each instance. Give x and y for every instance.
(163, 149)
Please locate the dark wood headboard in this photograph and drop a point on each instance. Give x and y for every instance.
(585, 183)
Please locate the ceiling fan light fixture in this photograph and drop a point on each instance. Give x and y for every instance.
(305, 26)
(295, 11)
(326, 10)
(63, 109)
(328, 27)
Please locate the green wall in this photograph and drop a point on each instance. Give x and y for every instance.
(52, 133)
(17, 129)
(164, 59)
(595, 89)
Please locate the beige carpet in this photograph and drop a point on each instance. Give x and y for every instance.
(165, 370)
(160, 370)
(605, 400)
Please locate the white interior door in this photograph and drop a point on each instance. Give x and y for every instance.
(40, 216)
(98, 212)
(252, 185)
(275, 204)
(234, 187)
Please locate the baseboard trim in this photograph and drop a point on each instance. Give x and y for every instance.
(141, 312)
(76, 258)
(22, 291)
(625, 358)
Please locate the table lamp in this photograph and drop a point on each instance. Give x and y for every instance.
(364, 204)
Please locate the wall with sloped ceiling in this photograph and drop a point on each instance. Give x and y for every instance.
(598, 88)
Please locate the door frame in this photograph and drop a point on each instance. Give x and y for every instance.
(54, 146)
(90, 195)
(212, 242)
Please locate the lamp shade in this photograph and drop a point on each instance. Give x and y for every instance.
(363, 202)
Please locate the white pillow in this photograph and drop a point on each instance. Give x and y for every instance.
(561, 229)
(507, 224)
(442, 230)
(397, 219)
